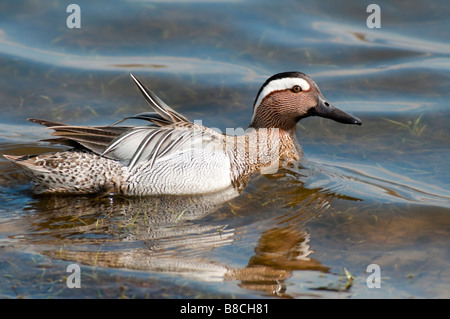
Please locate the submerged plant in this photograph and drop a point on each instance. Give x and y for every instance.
(415, 128)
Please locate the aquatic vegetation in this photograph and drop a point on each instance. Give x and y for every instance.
(414, 127)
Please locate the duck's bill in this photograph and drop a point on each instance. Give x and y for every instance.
(327, 110)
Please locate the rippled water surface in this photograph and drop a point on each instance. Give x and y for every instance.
(374, 194)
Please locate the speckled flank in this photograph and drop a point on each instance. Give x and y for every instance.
(73, 172)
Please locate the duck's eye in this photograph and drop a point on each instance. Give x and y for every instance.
(296, 88)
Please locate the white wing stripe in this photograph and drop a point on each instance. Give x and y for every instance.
(142, 147)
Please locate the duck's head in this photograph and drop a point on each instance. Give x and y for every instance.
(286, 98)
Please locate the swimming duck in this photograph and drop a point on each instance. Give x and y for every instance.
(172, 155)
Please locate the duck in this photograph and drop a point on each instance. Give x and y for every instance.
(170, 155)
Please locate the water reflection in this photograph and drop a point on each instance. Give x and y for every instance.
(163, 64)
(352, 35)
(359, 182)
(175, 234)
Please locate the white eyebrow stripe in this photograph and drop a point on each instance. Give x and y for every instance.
(279, 85)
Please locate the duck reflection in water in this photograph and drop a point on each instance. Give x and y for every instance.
(178, 234)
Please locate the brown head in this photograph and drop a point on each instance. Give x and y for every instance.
(286, 98)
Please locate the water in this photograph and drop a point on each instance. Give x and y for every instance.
(375, 194)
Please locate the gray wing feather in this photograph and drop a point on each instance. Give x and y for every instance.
(158, 105)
